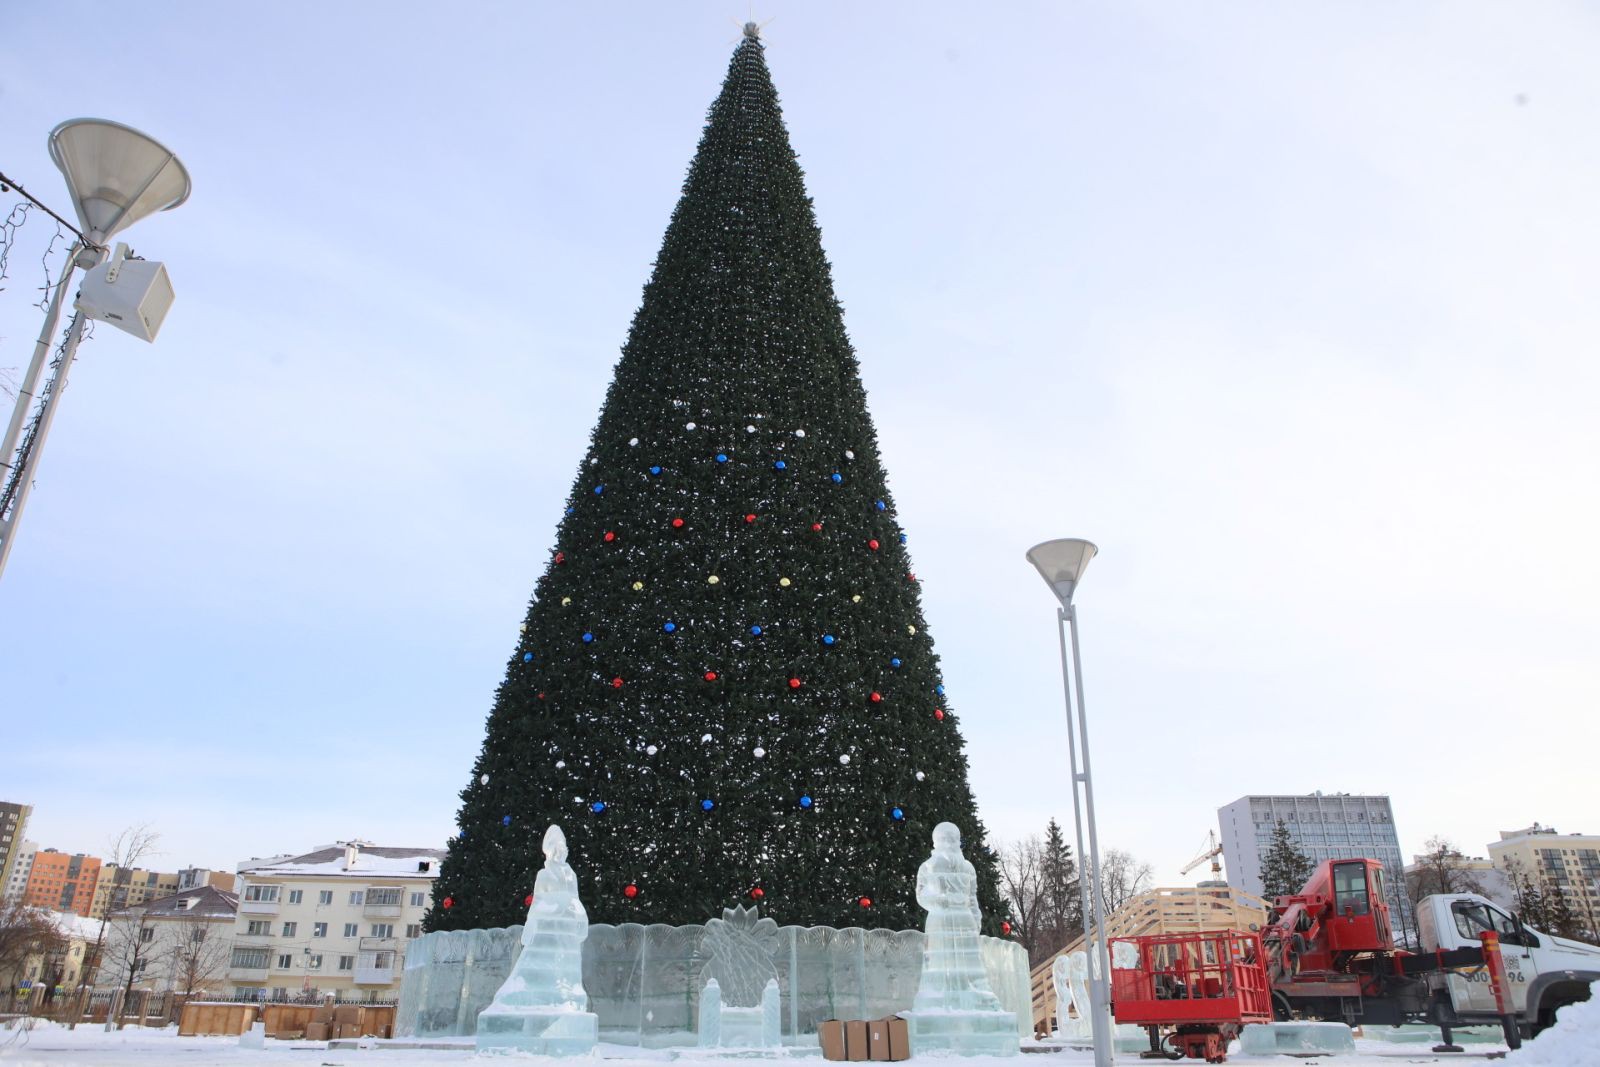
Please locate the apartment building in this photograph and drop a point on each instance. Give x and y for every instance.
(333, 920)
(13, 829)
(1325, 826)
(1568, 862)
(61, 882)
(22, 865)
(184, 943)
(128, 887)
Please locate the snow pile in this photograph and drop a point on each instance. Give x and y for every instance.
(1574, 1041)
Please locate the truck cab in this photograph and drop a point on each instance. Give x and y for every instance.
(1545, 972)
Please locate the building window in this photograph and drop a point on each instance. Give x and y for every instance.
(266, 894)
(296, 896)
(350, 930)
(289, 929)
(314, 962)
(417, 899)
(325, 896)
(413, 930)
(319, 929)
(258, 928)
(250, 959)
(382, 930)
(285, 962)
(384, 897)
(347, 963)
(146, 934)
(356, 896)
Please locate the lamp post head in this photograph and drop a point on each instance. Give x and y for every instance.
(1061, 564)
(116, 174)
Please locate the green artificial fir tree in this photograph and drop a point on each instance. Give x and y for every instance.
(1285, 869)
(724, 690)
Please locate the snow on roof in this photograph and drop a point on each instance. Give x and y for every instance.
(332, 861)
(75, 926)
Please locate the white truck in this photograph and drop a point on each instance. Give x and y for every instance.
(1543, 971)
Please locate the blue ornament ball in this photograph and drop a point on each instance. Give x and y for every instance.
(599, 489)
(780, 466)
(505, 820)
(527, 657)
(722, 457)
(827, 639)
(939, 689)
(669, 626)
(655, 470)
(571, 510)
(837, 477)
(895, 662)
(902, 539)
(755, 631)
(897, 814)
(707, 804)
(805, 800)
(598, 806)
(880, 505)
(588, 638)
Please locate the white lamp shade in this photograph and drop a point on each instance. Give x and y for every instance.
(1061, 563)
(116, 174)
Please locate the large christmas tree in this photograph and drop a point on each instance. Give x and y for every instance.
(724, 691)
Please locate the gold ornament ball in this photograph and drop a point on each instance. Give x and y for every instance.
(856, 599)
(784, 582)
(523, 628)
(911, 629)
(565, 601)
(637, 586)
(713, 580)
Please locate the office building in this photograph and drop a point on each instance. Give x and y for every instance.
(13, 830)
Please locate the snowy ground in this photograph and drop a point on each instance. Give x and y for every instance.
(51, 1046)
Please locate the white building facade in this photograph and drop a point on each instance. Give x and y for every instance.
(17, 883)
(333, 920)
(1325, 826)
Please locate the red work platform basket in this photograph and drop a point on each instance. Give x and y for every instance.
(1205, 986)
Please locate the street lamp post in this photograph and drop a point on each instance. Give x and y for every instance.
(116, 176)
(1061, 563)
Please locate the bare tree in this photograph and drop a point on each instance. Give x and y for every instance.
(127, 850)
(1022, 882)
(196, 954)
(1122, 877)
(132, 949)
(25, 932)
(1441, 869)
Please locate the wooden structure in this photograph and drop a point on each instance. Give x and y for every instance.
(208, 1018)
(286, 1020)
(1181, 910)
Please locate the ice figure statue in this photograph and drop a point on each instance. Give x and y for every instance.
(955, 1010)
(1070, 973)
(542, 1007)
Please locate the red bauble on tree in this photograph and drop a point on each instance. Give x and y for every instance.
(561, 557)
(794, 683)
(448, 902)
(750, 519)
(816, 527)
(1005, 928)
(865, 902)
(630, 890)
(609, 537)
(527, 901)
(616, 683)
(938, 713)
(876, 698)
(711, 676)
(677, 524)
(873, 544)
(757, 893)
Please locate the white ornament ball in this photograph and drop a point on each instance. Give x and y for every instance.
(688, 426)
(749, 429)
(706, 738)
(799, 433)
(921, 777)
(650, 750)
(758, 753)
(523, 628)
(561, 764)
(844, 761)
(633, 442)
(849, 454)
(483, 779)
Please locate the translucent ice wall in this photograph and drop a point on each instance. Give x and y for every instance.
(644, 982)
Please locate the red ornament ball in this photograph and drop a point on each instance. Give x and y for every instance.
(750, 519)
(561, 557)
(865, 902)
(816, 527)
(873, 544)
(610, 537)
(711, 676)
(677, 524)
(794, 683)
(527, 901)
(876, 698)
(1005, 928)
(541, 696)
(630, 890)
(616, 683)
(757, 893)
(938, 713)
(449, 902)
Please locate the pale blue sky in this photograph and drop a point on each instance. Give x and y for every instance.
(1289, 307)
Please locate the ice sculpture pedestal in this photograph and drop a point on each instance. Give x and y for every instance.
(955, 1009)
(725, 1027)
(541, 1009)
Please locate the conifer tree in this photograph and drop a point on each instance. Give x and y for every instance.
(1285, 869)
(724, 689)
(1060, 877)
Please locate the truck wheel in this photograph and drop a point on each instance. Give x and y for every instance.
(1280, 1008)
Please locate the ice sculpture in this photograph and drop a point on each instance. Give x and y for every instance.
(1070, 972)
(741, 1027)
(955, 1009)
(740, 947)
(542, 1008)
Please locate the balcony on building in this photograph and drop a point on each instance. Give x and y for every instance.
(382, 904)
(377, 962)
(259, 900)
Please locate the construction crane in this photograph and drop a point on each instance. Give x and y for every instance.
(1209, 854)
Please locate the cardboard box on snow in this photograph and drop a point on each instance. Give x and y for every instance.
(318, 1031)
(830, 1034)
(855, 1040)
(899, 1038)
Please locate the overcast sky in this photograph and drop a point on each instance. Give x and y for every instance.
(1291, 308)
